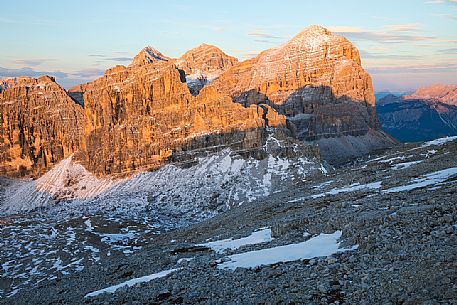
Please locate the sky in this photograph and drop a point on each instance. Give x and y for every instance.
(404, 44)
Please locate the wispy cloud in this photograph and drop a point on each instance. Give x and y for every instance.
(409, 27)
(264, 41)
(30, 62)
(441, 1)
(451, 51)
(430, 68)
(370, 55)
(395, 33)
(262, 34)
(119, 58)
(106, 57)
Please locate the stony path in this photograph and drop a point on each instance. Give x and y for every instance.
(397, 215)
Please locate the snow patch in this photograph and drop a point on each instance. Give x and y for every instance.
(321, 245)
(428, 179)
(439, 141)
(258, 237)
(404, 165)
(131, 282)
(351, 188)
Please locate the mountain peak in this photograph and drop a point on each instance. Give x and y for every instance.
(203, 64)
(315, 29)
(148, 55)
(439, 92)
(311, 36)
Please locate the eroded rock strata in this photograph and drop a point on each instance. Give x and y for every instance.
(137, 116)
(149, 113)
(40, 125)
(316, 79)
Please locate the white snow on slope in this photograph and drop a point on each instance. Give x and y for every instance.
(321, 245)
(405, 165)
(131, 282)
(67, 180)
(439, 141)
(351, 188)
(428, 179)
(219, 181)
(258, 237)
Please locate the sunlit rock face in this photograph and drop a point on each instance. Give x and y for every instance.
(316, 79)
(159, 109)
(204, 64)
(40, 125)
(139, 116)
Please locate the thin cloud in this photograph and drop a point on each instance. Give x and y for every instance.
(441, 2)
(396, 33)
(263, 35)
(369, 55)
(452, 51)
(106, 57)
(264, 41)
(30, 62)
(410, 27)
(413, 68)
(120, 58)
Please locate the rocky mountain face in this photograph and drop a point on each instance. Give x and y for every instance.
(40, 125)
(203, 64)
(424, 115)
(446, 94)
(317, 81)
(142, 115)
(150, 113)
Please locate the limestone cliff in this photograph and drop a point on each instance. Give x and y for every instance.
(149, 113)
(316, 79)
(40, 125)
(137, 116)
(203, 64)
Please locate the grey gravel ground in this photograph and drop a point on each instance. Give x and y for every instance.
(407, 244)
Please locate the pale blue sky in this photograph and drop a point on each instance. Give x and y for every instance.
(403, 43)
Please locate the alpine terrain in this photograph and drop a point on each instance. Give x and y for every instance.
(205, 179)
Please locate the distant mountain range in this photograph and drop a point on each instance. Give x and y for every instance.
(426, 114)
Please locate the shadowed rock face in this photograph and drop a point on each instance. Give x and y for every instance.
(40, 125)
(316, 79)
(203, 64)
(137, 116)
